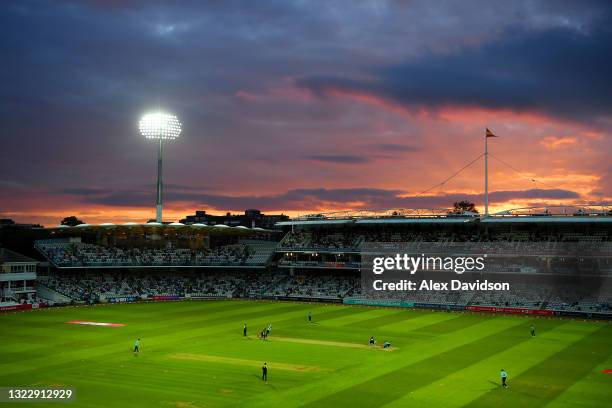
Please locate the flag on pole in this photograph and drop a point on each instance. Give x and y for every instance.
(490, 134)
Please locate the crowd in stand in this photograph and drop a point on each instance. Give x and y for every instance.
(556, 297)
(259, 284)
(21, 299)
(91, 286)
(298, 239)
(82, 254)
(315, 240)
(330, 249)
(315, 286)
(354, 240)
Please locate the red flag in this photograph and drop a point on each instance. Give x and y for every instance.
(490, 134)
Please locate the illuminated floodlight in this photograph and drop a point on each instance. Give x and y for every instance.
(160, 125)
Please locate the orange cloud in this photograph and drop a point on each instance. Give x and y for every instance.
(554, 143)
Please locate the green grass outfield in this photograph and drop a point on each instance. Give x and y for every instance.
(193, 355)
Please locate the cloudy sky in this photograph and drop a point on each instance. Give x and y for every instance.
(302, 106)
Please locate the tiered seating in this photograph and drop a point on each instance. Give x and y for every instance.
(576, 298)
(298, 239)
(260, 252)
(525, 296)
(64, 254)
(317, 286)
(317, 241)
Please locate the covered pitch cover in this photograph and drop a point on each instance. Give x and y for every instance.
(305, 203)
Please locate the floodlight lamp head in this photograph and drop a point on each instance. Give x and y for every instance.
(160, 125)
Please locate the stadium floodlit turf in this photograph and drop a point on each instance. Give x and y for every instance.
(193, 355)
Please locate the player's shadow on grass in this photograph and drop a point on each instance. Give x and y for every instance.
(265, 382)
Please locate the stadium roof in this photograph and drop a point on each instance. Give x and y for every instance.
(550, 214)
(8, 256)
(160, 228)
(547, 219)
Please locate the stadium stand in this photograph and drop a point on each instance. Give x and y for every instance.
(93, 287)
(78, 254)
(320, 259)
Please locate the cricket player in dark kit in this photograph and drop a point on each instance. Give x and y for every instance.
(532, 330)
(244, 330)
(137, 346)
(264, 372)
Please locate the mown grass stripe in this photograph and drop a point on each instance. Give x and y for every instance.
(321, 314)
(353, 318)
(392, 316)
(465, 385)
(341, 312)
(533, 388)
(448, 326)
(69, 355)
(100, 364)
(422, 320)
(593, 387)
(394, 384)
(361, 366)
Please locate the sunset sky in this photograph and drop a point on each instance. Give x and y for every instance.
(298, 107)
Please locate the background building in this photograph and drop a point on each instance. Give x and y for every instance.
(17, 278)
(250, 219)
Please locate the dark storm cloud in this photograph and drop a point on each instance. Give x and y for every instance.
(560, 71)
(338, 158)
(84, 191)
(293, 199)
(304, 199)
(395, 147)
(76, 75)
(557, 194)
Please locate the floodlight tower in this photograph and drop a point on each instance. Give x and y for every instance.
(160, 126)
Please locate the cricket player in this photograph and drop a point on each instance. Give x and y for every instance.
(137, 346)
(244, 330)
(268, 329)
(504, 376)
(372, 341)
(532, 329)
(264, 372)
(310, 317)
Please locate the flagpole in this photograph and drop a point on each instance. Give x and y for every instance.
(486, 160)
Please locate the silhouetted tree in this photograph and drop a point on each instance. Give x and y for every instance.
(72, 221)
(460, 207)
